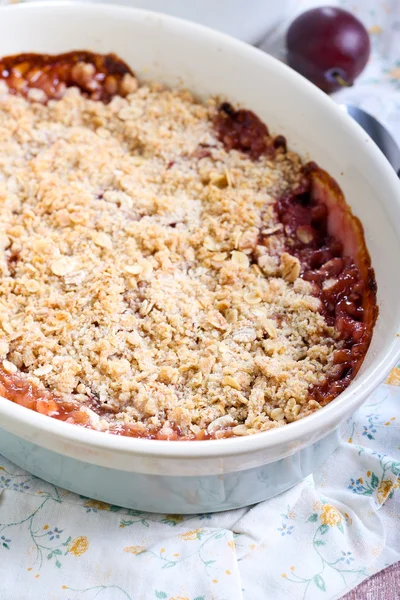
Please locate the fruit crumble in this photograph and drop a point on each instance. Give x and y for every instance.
(169, 268)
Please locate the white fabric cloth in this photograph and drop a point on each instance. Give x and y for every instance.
(315, 541)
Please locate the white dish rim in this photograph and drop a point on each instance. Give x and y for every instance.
(335, 411)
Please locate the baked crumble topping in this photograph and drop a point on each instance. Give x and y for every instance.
(148, 282)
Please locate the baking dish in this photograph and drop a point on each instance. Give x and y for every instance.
(190, 477)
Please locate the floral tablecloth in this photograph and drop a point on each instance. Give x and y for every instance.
(315, 541)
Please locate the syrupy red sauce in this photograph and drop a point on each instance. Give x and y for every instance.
(53, 73)
(336, 281)
(242, 130)
(349, 304)
(18, 390)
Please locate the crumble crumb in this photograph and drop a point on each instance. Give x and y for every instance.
(131, 267)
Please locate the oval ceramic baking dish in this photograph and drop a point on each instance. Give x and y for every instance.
(190, 477)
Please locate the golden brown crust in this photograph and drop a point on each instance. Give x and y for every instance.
(146, 284)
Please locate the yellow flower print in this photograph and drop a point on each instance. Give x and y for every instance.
(330, 516)
(375, 29)
(97, 504)
(377, 550)
(384, 489)
(135, 549)
(396, 74)
(231, 545)
(78, 546)
(394, 377)
(175, 519)
(191, 535)
(349, 520)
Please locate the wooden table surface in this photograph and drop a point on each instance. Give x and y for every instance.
(382, 586)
